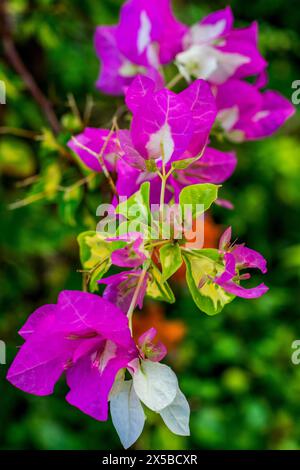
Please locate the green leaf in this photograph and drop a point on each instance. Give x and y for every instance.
(171, 259)
(183, 164)
(95, 255)
(198, 194)
(210, 298)
(158, 289)
(137, 206)
(211, 253)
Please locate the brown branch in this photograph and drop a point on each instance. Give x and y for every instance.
(14, 58)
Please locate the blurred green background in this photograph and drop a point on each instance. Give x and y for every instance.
(235, 368)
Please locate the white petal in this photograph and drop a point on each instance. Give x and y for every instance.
(144, 33)
(177, 415)
(209, 63)
(155, 384)
(161, 139)
(204, 33)
(228, 63)
(127, 414)
(228, 117)
(198, 61)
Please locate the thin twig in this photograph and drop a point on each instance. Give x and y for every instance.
(19, 132)
(28, 200)
(100, 155)
(16, 61)
(73, 106)
(89, 105)
(136, 295)
(174, 81)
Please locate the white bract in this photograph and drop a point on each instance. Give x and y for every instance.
(177, 415)
(127, 413)
(156, 386)
(208, 63)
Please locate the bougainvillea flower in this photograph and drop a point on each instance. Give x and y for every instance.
(121, 287)
(213, 50)
(237, 258)
(117, 71)
(168, 126)
(245, 113)
(91, 142)
(82, 335)
(146, 37)
(149, 349)
(132, 255)
(156, 130)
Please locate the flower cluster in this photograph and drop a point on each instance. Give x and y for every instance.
(163, 171)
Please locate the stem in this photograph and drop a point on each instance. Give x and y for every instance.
(28, 200)
(163, 186)
(19, 132)
(135, 296)
(14, 58)
(86, 275)
(100, 159)
(73, 106)
(78, 183)
(174, 81)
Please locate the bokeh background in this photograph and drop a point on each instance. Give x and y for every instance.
(235, 368)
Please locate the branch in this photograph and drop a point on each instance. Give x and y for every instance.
(14, 58)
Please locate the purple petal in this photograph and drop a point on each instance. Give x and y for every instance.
(148, 33)
(214, 166)
(256, 114)
(149, 350)
(94, 140)
(244, 42)
(110, 79)
(130, 256)
(127, 180)
(223, 18)
(225, 203)
(240, 291)
(229, 271)
(173, 32)
(241, 95)
(121, 288)
(147, 337)
(39, 363)
(247, 258)
(78, 312)
(201, 102)
(137, 91)
(225, 239)
(129, 153)
(41, 318)
(90, 384)
(274, 113)
(164, 125)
